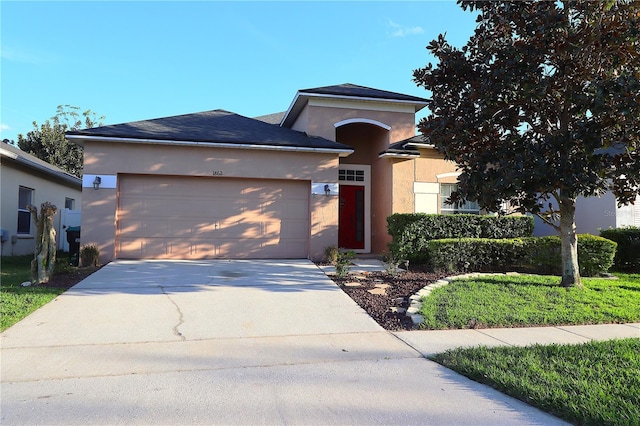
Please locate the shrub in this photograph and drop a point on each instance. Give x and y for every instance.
(343, 263)
(476, 254)
(627, 256)
(537, 255)
(392, 264)
(89, 255)
(595, 254)
(506, 226)
(411, 233)
(331, 254)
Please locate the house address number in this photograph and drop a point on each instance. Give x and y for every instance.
(217, 172)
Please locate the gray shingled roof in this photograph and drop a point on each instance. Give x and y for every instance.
(353, 90)
(213, 127)
(14, 154)
(274, 118)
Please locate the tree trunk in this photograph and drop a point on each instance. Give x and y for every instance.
(44, 261)
(569, 241)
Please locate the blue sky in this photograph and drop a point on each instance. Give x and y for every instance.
(140, 60)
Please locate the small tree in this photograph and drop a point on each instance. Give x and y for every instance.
(44, 260)
(540, 106)
(47, 141)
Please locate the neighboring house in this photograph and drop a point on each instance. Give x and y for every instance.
(596, 213)
(328, 171)
(25, 179)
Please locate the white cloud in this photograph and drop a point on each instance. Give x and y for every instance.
(398, 30)
(4, 128)
(26, 57)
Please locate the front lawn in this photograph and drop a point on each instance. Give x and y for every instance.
(16, 302)
(531, 300)
(596, 383)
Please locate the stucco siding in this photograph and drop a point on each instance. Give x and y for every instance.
(431, 165)
(322, 120)
(45, 188)
(593, 214)
(99, 212)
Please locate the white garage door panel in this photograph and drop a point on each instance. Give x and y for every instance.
(184, 218)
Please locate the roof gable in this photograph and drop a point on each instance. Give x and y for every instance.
(348, 91)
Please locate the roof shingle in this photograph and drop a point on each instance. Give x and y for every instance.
(353, 90)
(217, 126)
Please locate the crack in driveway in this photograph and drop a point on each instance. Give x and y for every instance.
(176, 330)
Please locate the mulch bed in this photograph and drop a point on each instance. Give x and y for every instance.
(68, 279)
(378, 306)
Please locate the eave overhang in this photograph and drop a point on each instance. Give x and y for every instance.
(48, 170)
(80, 139)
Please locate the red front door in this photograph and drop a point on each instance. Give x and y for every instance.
(351, 219)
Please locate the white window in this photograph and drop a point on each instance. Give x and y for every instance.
(469, 207)
(25, 197)
(351, 175)
(69, 203)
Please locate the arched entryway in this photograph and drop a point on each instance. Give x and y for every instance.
(365, 184)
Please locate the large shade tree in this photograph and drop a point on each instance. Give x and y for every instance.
(540, 106)
(47, 141)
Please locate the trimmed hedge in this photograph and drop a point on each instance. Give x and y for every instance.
(628, 253)
(412, 232)
(537, 255)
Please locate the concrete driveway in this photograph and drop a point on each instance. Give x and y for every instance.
(227, 342)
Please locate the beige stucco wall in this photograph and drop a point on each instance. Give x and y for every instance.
(321, 119)
(45, 188)
(431, 164)
(100, 158)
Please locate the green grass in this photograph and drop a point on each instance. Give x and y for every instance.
(531, 300)
(17, 302)
(596, 383)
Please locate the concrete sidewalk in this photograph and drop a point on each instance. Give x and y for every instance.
(228, 342)
(430, 342)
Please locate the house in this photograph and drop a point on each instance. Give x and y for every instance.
(596, 213)
(215, 184)
(25, 179)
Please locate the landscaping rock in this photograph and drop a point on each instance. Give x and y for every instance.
(417, 319)
(378, 306)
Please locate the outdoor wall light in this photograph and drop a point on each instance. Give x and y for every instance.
(327, 190)
(96, 182)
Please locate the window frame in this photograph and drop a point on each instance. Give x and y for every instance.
(23, 211)
(468, 207)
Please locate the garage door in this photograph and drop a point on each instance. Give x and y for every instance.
(165, 217)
